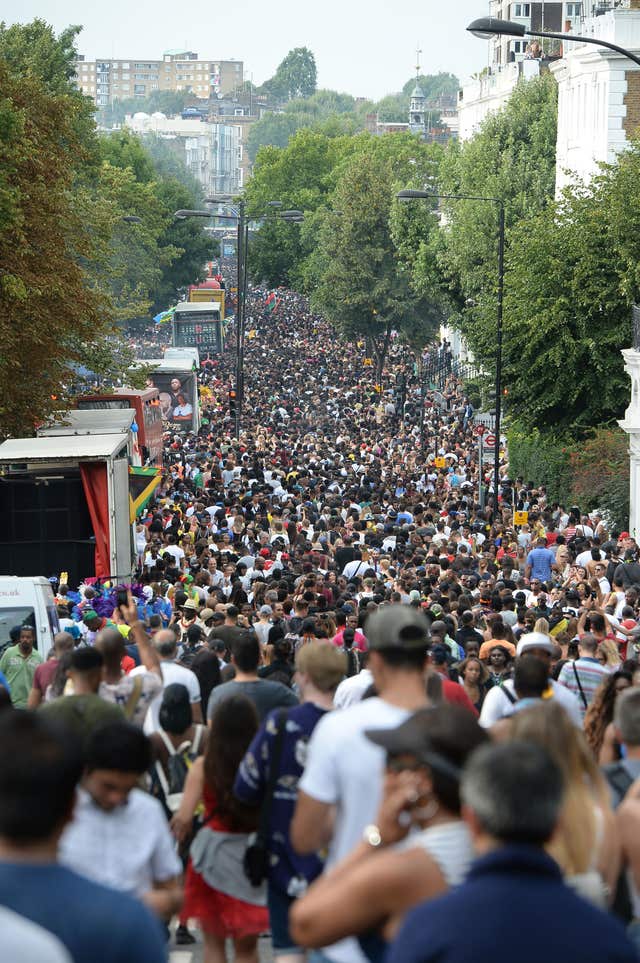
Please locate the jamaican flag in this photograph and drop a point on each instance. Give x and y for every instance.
(142, 484)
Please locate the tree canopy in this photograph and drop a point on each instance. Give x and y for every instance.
(295, 76)
(72, 267)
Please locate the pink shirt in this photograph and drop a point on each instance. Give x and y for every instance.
(359, 640)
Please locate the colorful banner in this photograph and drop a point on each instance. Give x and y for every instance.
(142, 484)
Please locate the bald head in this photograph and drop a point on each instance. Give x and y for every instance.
(111, 644)
(63, 642)
(165, 643)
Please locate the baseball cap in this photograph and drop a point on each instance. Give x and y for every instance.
(535, 640)
(89, 615)
(266, 610)
(624, 535)
(397, 627)
(207, 614)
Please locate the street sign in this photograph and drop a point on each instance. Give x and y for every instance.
(489, 441)
(520, 518)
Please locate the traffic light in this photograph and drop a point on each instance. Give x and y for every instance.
(233, 398)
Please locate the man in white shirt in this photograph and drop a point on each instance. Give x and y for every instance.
(166, 645)
(344, 771)
(119, 835)
(174, 550)
(501, 700)
(352, 690)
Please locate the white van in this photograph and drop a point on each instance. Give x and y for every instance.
(28, 601)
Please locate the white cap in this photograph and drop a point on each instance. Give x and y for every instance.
(535, 640)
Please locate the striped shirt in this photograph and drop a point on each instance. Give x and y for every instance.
(585, 672)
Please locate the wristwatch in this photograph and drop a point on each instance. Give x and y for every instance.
(371, 835)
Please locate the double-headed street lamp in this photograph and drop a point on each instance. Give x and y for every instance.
(243, 218)
(411, 195)
(487, 27)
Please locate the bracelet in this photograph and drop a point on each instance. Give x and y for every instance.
(371, 835)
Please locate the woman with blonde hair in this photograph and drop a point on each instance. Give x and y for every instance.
(587, 847)
(608, 655)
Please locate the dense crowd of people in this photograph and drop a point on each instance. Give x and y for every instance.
(347, 701)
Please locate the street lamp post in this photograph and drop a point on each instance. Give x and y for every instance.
(487, 27)
(242, 244)
(410, 195)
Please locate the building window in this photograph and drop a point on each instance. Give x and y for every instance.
(138, 90)
(574, 10)
(124, 66)
(522, 10)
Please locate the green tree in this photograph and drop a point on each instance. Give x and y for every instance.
(274, 130)
(434, 86)
(568, 304)
(362, 284)
(296, 75)
(47, 308)
(512, 158)
(299, 177)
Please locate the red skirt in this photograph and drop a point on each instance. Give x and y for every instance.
(220, 914)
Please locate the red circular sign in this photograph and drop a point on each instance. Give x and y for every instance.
(480, 429)
(490, 441)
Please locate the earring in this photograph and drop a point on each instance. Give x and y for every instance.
(426, 813)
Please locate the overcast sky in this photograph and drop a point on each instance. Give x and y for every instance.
(364, 47)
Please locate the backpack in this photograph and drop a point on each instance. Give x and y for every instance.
(620, 781)
(172, 782)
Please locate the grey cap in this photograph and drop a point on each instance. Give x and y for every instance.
(397, 627)
(265, 610)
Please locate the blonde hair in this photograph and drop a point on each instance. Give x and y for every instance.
(324, 663)
(549, 726)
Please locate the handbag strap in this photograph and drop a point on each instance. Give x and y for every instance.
(582, 695)
(274, 765)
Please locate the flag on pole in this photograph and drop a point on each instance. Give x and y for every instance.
(270, 302)
(164, 316)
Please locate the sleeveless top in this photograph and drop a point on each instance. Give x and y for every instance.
(449, 845)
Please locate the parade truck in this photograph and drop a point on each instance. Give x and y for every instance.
(198, 324)
(65, 503)
(176, 379)
(146, 405)
(209, 290)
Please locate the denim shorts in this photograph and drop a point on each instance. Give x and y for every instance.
(279, 904)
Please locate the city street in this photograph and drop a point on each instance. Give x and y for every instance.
(193, 954)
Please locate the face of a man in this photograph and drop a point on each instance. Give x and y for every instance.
(27, 641)
(110, 788)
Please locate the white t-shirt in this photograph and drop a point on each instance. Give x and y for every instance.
(345, 768)
(497, 705)
(129, 848)
(350, 691)
(28, 942)
(176, 552)
(171, 672)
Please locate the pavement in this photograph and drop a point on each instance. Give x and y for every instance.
(193, 953)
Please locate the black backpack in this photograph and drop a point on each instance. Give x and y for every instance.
(620, 781)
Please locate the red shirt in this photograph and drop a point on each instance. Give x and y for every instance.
(453, 692)
(43, 676)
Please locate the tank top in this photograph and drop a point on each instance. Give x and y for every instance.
(449, 845)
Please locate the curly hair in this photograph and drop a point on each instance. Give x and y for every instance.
(599, 714)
